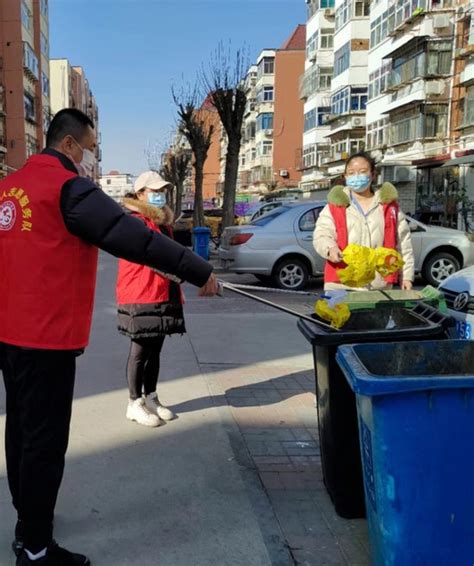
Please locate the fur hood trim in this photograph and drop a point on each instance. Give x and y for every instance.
(157, 215)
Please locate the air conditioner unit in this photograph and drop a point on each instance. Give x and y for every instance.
(329, 12)
(434, 87)
(268, 132)
(313, 57)
(441, 21)
(284, 173)
(401, 174)
(358, 121)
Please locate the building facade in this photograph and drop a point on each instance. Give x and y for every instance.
(24, 80)
(116, 184)
(70, 89)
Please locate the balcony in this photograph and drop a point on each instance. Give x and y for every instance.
(30, 62)
(418, 91)
(467, 76)
(354, 120)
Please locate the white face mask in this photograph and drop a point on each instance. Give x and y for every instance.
(86, 167)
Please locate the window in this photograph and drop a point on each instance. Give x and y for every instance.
(30, 60)
(308, 220)
(312, 45)
(327, 4)
(109, 181)
(44, 7)
(469, 106)
(266, 66)
(404, 9)
(253, 153)
(309, 156)
(342, 59)
(427, 121)
(378, 81)
(342, 15)
(323, 115)
(361, 8)
(268, 93)
(25, 16)
(327, 39)
(264, 148)
(46, 119)
(377, 133)
(310, 120)
(431, 58)
(358, 99)
(352, 99)
(265, 121)
(325, 78)
(45, 83)
(30, 111)
(44, 45)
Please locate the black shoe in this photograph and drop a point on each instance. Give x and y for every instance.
(17, 544)
(55, 556)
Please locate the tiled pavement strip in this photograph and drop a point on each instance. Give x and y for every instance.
(274, 411)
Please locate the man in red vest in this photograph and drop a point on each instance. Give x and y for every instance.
(52, 221)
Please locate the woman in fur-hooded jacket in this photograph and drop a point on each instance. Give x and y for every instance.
(150, 306)
(356, 214)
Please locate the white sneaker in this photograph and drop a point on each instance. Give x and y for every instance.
(154, 405)
(138, 411)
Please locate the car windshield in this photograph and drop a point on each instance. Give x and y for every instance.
(267, 218)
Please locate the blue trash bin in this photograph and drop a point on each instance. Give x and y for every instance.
(415, 404)
(202, 237)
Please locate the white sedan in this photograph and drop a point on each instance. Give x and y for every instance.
(459, 292)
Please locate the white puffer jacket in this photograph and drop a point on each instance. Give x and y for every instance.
(364, 230)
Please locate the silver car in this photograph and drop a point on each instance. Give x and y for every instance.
(278, 248)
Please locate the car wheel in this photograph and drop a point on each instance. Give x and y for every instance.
(438, 267)
(291, 274)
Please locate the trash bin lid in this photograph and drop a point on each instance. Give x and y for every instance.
(386, 368)
(372, 325)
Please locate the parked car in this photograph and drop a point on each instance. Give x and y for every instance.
(458, 290)
(278, 247)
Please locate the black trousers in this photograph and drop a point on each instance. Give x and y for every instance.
(39, 386)
(143, 366)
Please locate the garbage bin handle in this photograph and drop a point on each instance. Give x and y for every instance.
(432, 314)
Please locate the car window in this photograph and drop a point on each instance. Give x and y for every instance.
(307, 222)
(267, 218)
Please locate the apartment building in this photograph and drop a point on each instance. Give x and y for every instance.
(315, 91)
(70, 88)
(116, 184)
(349, 85)
(24, 80)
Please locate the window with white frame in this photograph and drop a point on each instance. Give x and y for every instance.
(30, 60)
(268, 65)
(327, 39)
(322, 115)
(264, 148)
(377, 133)
(264, 121)
(44, 7)
(378, 80)
(342, 59)
(309, 156)
(405, 9)
(268, 93)
(349, 99)
(325, 78)
(424, 121)
(25, 16)
(342, 15)
(361, 8)
(30, 109)
(432, 58)
(253, 153)
(310, 120)
(45, 83)
(312, 45)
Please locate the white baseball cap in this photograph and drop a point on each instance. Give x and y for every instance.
(150, 180)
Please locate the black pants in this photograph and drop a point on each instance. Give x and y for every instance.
(39, 386)
(143, 366)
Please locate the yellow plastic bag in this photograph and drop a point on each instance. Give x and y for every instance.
(363, 263)
(337, 315)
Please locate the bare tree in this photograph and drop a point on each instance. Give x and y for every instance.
(175, 170)
(224, 81)
(196, 126)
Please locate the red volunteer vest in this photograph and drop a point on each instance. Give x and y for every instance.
(390, 212)
(138, 284)
(47, 275)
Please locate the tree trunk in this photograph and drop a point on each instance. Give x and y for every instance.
(198, 198)
(230, 183)
(179, 198)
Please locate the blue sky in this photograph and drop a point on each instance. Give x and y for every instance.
(134, 50)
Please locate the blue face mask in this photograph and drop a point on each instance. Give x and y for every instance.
(358, 183)
(157, 199)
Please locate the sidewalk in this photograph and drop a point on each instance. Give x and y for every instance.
(236, 480)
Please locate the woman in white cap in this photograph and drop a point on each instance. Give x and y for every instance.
(149, 306)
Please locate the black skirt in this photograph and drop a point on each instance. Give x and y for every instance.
(152, 320)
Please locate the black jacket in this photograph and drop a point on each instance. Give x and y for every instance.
(94, 217)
